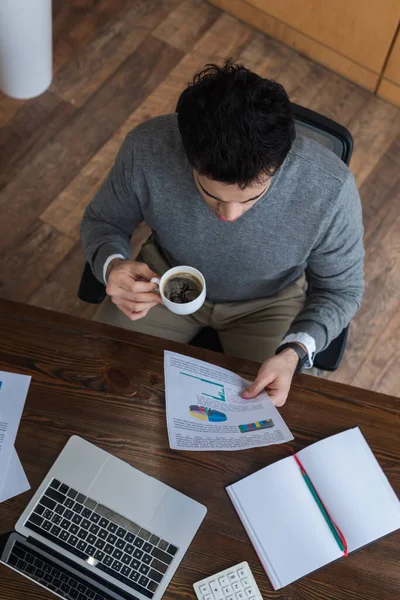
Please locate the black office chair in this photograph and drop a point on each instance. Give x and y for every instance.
(326, 132)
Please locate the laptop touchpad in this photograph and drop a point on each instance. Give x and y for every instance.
(127, 491)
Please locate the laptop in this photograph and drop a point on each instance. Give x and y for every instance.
(99, 529)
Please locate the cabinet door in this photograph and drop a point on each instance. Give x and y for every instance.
(352, 37)
(389, 87)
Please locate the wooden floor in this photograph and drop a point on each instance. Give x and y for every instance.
(119, 62)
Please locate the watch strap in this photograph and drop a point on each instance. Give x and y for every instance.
(301, 353)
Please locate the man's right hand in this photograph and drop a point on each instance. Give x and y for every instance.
(129, 287)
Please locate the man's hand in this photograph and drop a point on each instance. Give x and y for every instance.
(130, 288)
(275, 375)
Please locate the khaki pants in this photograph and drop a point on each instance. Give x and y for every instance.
(251, 329)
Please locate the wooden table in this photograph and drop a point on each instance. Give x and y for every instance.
(107, 385)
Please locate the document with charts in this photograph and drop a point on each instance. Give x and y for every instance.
(206, 412)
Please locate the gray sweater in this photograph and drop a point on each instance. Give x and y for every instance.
(310, 218)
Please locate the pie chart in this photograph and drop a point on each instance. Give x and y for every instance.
(207, 414)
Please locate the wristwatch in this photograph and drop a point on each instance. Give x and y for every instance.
(301, 353)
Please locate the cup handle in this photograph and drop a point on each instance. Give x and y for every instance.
(157, 281)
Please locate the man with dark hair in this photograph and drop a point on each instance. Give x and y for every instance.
(227, 187)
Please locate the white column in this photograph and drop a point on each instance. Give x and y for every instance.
(25, 47)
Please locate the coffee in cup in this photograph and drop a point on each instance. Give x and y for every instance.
(182, 288)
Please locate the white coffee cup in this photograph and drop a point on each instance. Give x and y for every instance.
(189, 307)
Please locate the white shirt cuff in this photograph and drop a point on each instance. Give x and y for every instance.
(307, 341)
(109, 259)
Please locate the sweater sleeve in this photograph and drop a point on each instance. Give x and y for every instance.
(113, 214)
(336, 272)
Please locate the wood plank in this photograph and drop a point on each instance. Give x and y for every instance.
(389, 91)
(266, 56)
(24, 268)
(103, 54)
(186, 24)
(301, 42)
(52, 169)
(374, 128)
(31, 128)
(65, 212)
(392, 69)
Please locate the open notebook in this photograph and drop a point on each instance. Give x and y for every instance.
(284, 522)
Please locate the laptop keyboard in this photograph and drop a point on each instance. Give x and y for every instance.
(113, 544)
(52, 575)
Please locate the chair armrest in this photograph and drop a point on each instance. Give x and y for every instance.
(330, 358)
(90, 289)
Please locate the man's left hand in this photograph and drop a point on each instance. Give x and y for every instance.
(275, 376)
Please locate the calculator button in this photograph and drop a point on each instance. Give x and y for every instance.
(230, 598)
(245, 582)
(223, 581)
(232, 576)
(240, 596)
(208, 597)
(227, 590)
(218, 595)
(249, 592)
(242, 573)
(205, 588)
(236, 586)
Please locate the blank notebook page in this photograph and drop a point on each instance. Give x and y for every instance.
(353, 487)
(284, 522)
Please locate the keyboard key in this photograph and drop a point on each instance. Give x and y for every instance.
(91, 539)
(90, 504)
(56, 519)
(81, 498)
(129, 582)
(30, 569)
(100, 544)
(81, 588)
(59, 509)
(90, 594)
(76, 519)
(167, 558)
(160, 566)
(36, 519)
(55, 484)
(90, 550)
(48, 514)
(120, 532)
(242, 573)
(73, 529)
(69, 503)
(73, 540)
(39, 509)
(86, 513)
(108, 560)
(152, 586)
(46, 568)
(138, 553)
(155, 575)
(116, 565)
(46, 525)
(64, 577)
(163, 545)
(154, 540)
(146, 558)
(240, 596)
(73, 594)
(120, 544)
(143, 581)
(135, 575)
(129, 549)
(236, 586)
(103, 533)
(78, 508)
(64, 535)
(56, 530)
(48, 502)
(65, 587)
(245, 581)
(205, 588)
(104, 522)
(232, 576)
(94, 529)
(112, 527)
(55, 495)
(126, 559)
(48, 578)
(68, 514)
(126, 571)
(144, 569)
(223, 581)
(82, 534)
(138, 542)
(108, 548)
(227, 589)
(144, 534)
(147, 547)
(172, 550)
(29, 558)
(111, 538)
(63, 488)
(95, 518)
(129, 537)
(249, 592)
(81, 545)
(99, 555)
(85, 524)
(135, 564)
(117, 554)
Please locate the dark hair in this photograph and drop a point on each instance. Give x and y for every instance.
(236, 127)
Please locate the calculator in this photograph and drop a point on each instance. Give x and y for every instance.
(236, 583)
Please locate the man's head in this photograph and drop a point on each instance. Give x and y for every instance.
(236, 129)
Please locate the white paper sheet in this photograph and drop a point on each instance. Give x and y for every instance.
(13, 391)
(15, 481)
(206, 412)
